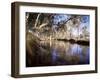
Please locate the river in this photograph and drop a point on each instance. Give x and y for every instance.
(61, 53)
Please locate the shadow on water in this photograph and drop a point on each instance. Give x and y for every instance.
(53, 53)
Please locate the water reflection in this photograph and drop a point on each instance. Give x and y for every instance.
(67, 53)
(61, 53)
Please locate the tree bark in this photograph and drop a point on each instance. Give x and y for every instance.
(37, 20)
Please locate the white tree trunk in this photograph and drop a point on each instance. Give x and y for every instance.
(42, 25)
(37, 20)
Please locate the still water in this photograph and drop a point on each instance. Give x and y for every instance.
(53, 53)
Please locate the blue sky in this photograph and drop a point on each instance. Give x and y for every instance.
(60, 17)
(85, 21)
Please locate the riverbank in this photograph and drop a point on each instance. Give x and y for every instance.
(81, 42)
